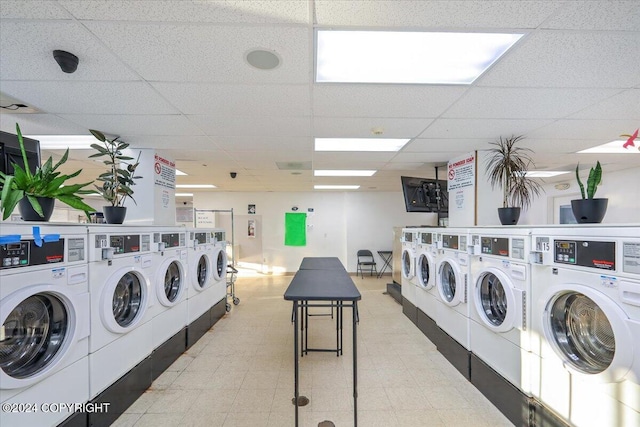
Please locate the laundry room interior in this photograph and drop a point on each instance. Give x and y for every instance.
(319, 213)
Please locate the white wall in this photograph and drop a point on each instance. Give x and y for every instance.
(341, 223)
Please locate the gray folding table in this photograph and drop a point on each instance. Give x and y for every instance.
(332, 287)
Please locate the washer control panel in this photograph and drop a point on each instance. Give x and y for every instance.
(26, 253)
(585, 253)
(494, 246)
(124, 244)
(450, 241)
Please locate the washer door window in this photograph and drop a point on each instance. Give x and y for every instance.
(202, 271)
(582, 332)
(450, 287)
(424, 271)
(220, 271)
(407, 268)
(492, 299)
(32, 335)
(172, 282)
(127, 299)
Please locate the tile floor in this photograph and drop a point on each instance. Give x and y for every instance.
(241, 372)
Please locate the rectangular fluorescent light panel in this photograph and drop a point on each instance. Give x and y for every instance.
(184, 194)
(195, 185)
(544, 174)
(336, 187)
(613, 147)
(407, 57)
(179, 172)
(62, 142)
(343, 172)
(359, 144)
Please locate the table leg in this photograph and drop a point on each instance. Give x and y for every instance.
(355, 366)
(295, 357)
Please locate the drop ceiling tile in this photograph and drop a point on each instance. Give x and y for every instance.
(623, 106)
(186, 143)
(603, 130)
(219, 11)
(39, 124)
(403, 166)
(253, 126)
(552, 146)
(596, 15)
(569, 59)
(353, 157)
(357, 127)
(348, 164)
(276, 144)
(435, 145)
(261, 160)
(525, 103)
(36, 40)
(485, 129)
(402, 101)
(238, 100)
(434, 14)
(200, 158)
(33, 9)
(89, 97)
(441, 157)
(205, 53)
(136, 124)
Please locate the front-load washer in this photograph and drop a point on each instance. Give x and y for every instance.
(499, 299)
(452, 275)
(408, 261)
(425, 274)
(120, 276)
(586, 324)
(169, 284)
(200, 265)
(220, 263)
(44, 313)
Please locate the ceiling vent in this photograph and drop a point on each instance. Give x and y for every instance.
(294, 166)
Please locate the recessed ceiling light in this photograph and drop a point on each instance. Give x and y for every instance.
(184, 194)
(613, 147)
(263, 59)
(336, 187)
(195, 186)
(544, 174)
(359, 144)
(180, 173)
(407, 57)
(344, 172)
(62, 142)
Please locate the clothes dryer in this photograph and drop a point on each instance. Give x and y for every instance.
(426, 252)
(586, 324)
(409, 245)
(44, 313)
(452, 267)
(169, 284)
(499, 299)
(120, 275)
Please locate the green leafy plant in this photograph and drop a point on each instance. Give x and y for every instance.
(507, 167)
(595, 177)
(45, 182)
(117, 181)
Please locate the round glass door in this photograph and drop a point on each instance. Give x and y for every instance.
(582, 332)
(172, 281)
(221, 264)
(32, 334)
(406, 264)
(127, 299)
(447, 281)
(202, 270)
(493, 299)
(424, 270)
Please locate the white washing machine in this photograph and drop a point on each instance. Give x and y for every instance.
(408, 262)
(199, 272)
(121, 269)
(500, 303)
(586, 324)
(220, 262)
(44, 313)
(452, 276)
(425, 266)
(169, 284)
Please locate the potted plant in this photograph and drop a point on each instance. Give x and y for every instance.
(117, 181)
(507, 167)
(35, 193)
(589, 209)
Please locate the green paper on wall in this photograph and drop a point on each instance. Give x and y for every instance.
(295, 229)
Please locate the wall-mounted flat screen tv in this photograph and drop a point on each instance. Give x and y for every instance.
(10, 152)
(425, 195)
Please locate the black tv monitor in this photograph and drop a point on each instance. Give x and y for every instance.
(425, 195)
(10, 152)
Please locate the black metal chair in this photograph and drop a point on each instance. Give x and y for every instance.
(366, 261)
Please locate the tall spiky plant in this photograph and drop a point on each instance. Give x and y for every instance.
(595, 177)
(507, 167)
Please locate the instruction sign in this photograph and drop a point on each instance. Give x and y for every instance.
(462, 173)
(205, 219)
(164, 172)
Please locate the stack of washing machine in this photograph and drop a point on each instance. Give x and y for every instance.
(426, 292)
(408, 261)
(586, 324)
(207, 267)
(500, 318)
(121, 270)
(44, 313)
